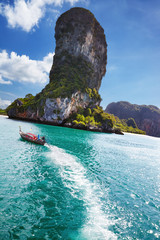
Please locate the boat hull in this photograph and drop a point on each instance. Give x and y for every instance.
(30, 139)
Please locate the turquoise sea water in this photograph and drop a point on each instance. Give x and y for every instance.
(81, 186)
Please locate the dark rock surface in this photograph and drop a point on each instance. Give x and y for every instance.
(146, 117)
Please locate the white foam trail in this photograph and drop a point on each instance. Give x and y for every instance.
(74, 178)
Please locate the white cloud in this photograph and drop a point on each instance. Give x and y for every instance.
(27, 14)
(4, 81)
(23, 69)
(4, 103)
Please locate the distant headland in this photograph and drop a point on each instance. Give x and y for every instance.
(146, 117)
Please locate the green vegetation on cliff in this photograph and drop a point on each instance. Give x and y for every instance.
(22, 104)
(126, 125)
(131, 123)
(93, 94)
(29, 103)
(88, 117)
(3, 112)
(69, 76)
(96, 117)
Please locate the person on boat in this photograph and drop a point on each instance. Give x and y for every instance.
(43, 138)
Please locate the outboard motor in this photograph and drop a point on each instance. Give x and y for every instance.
(43, 138)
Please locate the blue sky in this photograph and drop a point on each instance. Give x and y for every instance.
(132, 30)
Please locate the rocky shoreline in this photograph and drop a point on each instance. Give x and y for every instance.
(91, 129)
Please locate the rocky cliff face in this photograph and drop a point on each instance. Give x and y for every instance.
(59, 109)
(146, 117)
(81, 49)
(78, 67)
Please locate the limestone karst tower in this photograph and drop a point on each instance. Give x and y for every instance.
(81, 50)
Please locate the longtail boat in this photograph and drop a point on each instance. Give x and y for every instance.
(32, 137)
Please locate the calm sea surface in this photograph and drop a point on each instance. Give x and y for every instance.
(82, 186)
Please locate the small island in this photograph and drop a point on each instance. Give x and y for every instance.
(71, 98)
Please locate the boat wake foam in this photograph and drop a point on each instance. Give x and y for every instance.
(74, 177)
